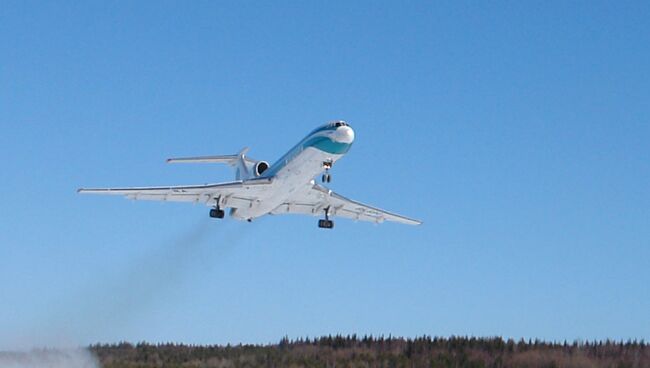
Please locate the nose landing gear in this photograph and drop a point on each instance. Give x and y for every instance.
(326, 223)
(326, 178)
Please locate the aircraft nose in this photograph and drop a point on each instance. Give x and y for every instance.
(344, 134)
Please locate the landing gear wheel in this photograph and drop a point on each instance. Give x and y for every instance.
(217, 213)
(326, 223)
(326, 178)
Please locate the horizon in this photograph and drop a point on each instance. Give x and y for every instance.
(517, 132)
(327, 350)
(353, 337)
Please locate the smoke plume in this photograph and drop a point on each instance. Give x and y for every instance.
(49, 358)
(110, 304)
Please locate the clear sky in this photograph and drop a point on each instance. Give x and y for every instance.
(517, 131)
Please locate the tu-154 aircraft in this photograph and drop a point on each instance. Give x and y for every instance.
(286, 187)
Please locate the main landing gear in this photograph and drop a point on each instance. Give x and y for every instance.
(326, 223)
(326, 178)
(217, 212)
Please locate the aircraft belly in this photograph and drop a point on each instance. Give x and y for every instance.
(294, 178)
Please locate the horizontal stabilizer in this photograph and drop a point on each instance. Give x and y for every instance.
(223, 159)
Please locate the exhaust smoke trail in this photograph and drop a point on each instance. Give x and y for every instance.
(114, 303)
(109, 305)
(49, 358)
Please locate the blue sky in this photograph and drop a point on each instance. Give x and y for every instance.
(517, 131)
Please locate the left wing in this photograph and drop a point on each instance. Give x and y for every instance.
(317, 198)
(234, 194)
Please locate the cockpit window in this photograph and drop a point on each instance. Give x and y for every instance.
(340, 123)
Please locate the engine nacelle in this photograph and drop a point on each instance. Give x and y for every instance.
(260, 167)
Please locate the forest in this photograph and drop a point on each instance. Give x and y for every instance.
(369, 351)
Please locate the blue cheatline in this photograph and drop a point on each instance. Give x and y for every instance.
(322, 143)
(325, 144)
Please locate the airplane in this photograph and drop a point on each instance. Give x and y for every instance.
(286, 187)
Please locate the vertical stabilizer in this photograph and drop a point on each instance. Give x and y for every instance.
(243, 169)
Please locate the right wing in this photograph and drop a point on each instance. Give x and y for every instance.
(317, 198)
(236, 194)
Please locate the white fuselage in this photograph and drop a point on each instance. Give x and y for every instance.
(293, 174)
(295, 177)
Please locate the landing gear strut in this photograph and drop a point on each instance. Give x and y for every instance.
(326, 223)
(217, 212)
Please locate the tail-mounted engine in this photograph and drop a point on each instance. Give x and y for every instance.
(260, 167)
(250, 169)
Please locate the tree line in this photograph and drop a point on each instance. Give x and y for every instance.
(369, 351)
